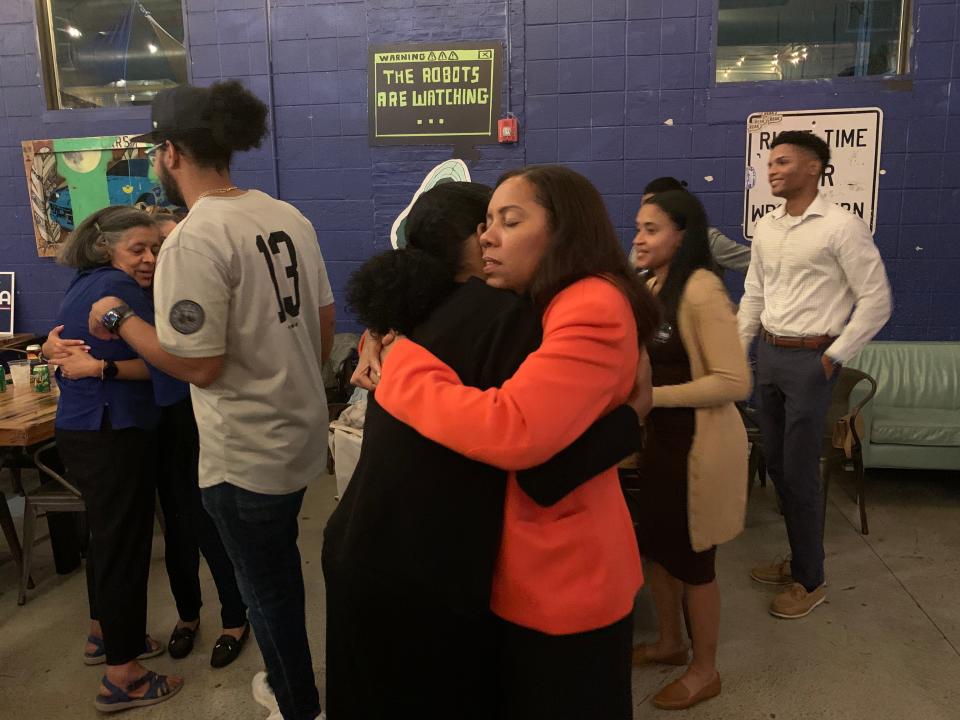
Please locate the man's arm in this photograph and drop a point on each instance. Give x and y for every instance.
(751, 304)
(328, 327)
(142, 337)
(728, 254)
(861, 263)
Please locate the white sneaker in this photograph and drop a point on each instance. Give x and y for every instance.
(263, 694)
(277, 716)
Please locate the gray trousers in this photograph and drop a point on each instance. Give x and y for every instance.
(793, 397)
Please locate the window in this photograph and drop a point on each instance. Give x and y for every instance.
(110, 53)
(799, 39)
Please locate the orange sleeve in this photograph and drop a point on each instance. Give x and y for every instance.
(585, 365)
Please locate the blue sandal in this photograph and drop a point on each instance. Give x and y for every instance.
(158, 690)
(99, 656)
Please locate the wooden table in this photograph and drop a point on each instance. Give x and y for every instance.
(26, 418)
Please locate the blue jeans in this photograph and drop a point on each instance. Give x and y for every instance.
(260, 535)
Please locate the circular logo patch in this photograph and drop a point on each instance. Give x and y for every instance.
(186, 317)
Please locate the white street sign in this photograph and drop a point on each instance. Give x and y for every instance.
(852, 178)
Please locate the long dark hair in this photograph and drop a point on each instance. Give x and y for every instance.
(686, 212)
(397, 289)
(582, 242)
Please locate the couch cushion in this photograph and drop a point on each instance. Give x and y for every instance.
(915, 426)
(913, 374)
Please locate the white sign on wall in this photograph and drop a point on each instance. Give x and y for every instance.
(6, 304)
(852, 178)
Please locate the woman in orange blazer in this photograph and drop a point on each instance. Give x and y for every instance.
(691, 495)
(566, 574)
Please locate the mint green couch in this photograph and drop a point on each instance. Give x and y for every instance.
(914, 419)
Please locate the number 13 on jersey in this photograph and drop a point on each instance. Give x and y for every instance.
(287, 305)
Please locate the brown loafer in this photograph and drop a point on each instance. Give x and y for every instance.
(675, 696)
(642, 657)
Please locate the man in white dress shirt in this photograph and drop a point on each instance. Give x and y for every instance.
(816, 291)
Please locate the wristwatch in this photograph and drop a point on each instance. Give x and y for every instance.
(110, 370)
(114, 317)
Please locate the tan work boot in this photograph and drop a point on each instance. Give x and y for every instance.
(795, 602)
(776, 574)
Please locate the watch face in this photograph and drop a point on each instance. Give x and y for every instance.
(110, 319)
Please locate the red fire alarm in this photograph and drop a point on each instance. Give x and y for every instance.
(507, 129)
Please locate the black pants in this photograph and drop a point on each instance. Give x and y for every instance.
(566, 677)
(388, 657)
(793, 397)
(114, 470)
(189, 528)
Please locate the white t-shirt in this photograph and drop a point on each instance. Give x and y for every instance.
(243, 277)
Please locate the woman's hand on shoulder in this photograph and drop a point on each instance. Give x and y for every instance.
(57, 347)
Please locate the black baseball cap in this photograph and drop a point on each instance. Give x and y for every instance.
(177, 110)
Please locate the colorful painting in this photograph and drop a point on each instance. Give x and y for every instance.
(69, 179)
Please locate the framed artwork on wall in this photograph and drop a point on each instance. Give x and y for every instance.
(68, 179)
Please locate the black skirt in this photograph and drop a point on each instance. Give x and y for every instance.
(657, 495)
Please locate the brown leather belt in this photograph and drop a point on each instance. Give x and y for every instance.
(809, 342)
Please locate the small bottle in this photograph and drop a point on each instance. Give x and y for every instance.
(33, 355)
(3, 379)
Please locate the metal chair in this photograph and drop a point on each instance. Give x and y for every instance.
(57, 495)
(835, 458)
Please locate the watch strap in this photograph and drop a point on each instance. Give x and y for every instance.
(110, 370)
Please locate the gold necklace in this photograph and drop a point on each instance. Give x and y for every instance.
(208, 193)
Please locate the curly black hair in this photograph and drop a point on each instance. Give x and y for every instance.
(239, 122)
(398, 289)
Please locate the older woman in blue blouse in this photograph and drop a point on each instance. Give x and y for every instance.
(106, 434)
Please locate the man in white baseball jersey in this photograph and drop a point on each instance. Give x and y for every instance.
(245, 313)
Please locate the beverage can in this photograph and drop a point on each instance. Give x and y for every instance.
(41, 378)
(3, 379)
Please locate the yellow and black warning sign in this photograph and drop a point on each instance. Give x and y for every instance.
(434, 93)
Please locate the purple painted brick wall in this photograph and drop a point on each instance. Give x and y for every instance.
(665, 73)
(593, 82)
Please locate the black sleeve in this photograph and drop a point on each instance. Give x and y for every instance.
(605, 443)
(513, 334)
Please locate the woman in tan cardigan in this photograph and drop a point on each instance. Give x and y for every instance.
(692, 490)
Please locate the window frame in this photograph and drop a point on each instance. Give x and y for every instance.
(50, 73)
(903, 72)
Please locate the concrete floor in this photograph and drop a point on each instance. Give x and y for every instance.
(884, 645)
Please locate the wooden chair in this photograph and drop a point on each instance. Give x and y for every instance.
(836, 458)
(57, 495)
